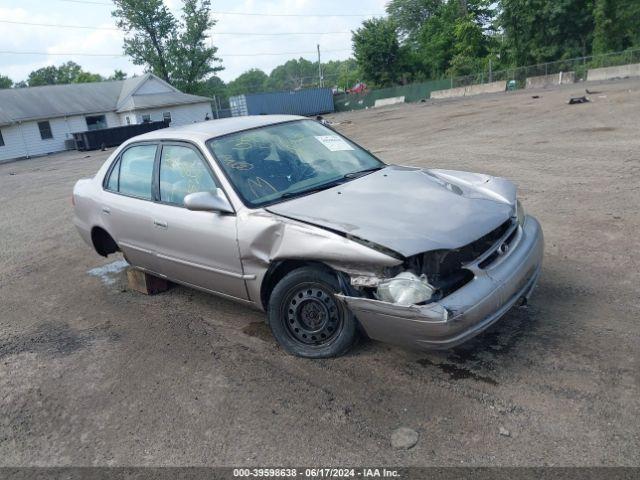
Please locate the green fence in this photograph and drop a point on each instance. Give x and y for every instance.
(413, 92)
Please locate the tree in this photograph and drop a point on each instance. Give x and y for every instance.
(411, 15)
(173, 49)
(537, 31)
(436, 40)
(5, 82)
(251, 81)
(118, 75)
(341, 73)
(293, 74)
(69, 72)
(378, 52)
(616, 25)
(214, 87)
(470, 47)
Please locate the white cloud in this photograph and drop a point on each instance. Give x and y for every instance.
(58, 40)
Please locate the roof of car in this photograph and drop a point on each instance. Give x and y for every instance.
(216, 128)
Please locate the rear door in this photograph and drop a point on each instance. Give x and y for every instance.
(196, 248)
(127, 201)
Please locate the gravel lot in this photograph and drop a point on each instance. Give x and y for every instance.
(94, 374)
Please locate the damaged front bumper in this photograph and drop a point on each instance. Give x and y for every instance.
(467, 311)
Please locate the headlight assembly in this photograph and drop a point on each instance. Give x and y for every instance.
(405, 289)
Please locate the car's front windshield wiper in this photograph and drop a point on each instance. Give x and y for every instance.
(325, 186)
(359, 173)
(313, 189)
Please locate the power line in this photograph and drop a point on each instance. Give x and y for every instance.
(86, 27)
(57, 25)
(81, 54)
(93, 2)
(297, 14)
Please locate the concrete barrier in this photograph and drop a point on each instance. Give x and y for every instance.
(562, 78)
(382, 102)
(471, 90)
(609, 73)
(448, 93)
(493, 87)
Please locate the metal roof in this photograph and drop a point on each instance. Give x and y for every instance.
(51, 101)
(215, 128)
(153, 100)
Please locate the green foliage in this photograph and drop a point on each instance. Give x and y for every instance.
(212, 86)
(378, 51)
(443, 36)
(470, 47)
(118, 75)
(617, 25)
(342, 74)
(411, 15)
(174, 49)
(293, 74)
(537, 31)
(69, 72)
(5, 82)
(436, 40)
(251, 81)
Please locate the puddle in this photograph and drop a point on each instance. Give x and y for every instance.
(55, 340)
(457, 373)
(110, 272)
(259, 330)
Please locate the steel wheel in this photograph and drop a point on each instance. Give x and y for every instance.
(306, 318)
(313, 318)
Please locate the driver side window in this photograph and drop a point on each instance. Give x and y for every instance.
(182, 171)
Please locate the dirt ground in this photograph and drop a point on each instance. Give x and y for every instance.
(94, 374)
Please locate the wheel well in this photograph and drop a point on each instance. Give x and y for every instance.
(277, 271)
(103, 242)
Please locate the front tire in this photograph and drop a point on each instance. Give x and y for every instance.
(305, 317)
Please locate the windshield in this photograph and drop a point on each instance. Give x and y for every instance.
(285, 160)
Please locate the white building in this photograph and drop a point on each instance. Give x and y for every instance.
(38, 120)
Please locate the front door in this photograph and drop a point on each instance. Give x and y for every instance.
(196, 248)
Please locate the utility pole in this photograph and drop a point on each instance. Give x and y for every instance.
(320, 69)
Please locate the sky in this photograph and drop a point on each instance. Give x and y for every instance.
(238, 52)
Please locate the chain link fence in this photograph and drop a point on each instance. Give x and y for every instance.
(417, 91)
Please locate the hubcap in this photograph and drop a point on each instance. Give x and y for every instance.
(312, 316)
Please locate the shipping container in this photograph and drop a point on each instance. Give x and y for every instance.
(308, 102)
(112, 137)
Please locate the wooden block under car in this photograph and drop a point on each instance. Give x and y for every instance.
(145, 283)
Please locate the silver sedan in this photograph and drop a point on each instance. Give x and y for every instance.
(287, 215)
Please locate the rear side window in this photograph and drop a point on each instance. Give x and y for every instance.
(135, 169)
(182, 171)
(112, 183)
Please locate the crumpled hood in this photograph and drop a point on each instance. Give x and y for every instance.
(409, 210)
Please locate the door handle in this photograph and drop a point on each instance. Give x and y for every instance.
(106, 210)
(160, 224)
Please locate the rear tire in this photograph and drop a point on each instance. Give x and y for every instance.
(305, 317)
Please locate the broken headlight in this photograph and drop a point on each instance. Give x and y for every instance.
(405, 289)
(520, 213)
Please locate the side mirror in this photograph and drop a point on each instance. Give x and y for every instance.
(208, 202)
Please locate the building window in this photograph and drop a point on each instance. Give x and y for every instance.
(146, 118)
(166, 116)
(96, 122)
(1, 139)
(128, 120)
(45, 130)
